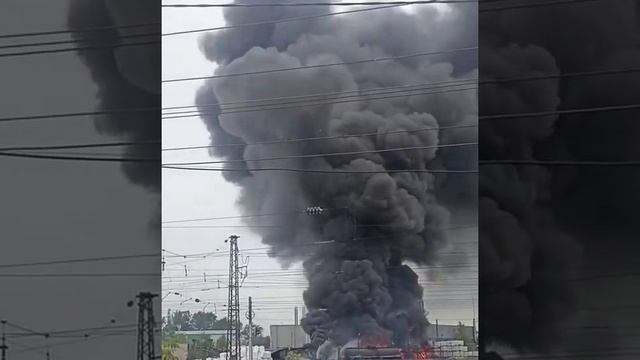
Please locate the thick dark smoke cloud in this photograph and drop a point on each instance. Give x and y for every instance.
(540, 226)
(127, 77)
(358, 286)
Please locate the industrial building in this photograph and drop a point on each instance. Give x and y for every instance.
(203, 334)
(442, 332)
(287, 336)
(293, 336)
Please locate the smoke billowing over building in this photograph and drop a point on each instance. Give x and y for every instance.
(399, 162)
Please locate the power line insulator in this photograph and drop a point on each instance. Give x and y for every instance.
(314, 210)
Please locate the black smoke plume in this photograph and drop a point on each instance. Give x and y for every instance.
(543, 227)
(359, 285)
(127, 77)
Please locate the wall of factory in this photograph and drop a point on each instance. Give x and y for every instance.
(450, 332)
(285, 336)
(203, 334)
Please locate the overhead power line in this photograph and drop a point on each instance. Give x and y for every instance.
(77, 158)
(346, 153)
(532, 5)
(452, 83)
(345, 136)
(80, 48)
(69, 332)
(71, 342)
(309, 103)
(76, 31)
(561, 75)
(485, 82)
(268, 226)
(243, 216)
(371, 3)
(561, 112)
(24, 347)
(77, 114)
(81, 260)
(302, 18)
(20, 327)
(62, 275)
(460, 82)
(381, 59)
(347, 3)
(279, 21)
(79, 146)
(614, 163)
(219, 226)
(74, 41)
(320, 171)
(324, 96)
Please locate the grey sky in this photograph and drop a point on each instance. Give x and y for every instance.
(56, 210)
(187, 195)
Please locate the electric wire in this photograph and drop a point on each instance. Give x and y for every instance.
(79, 275)
(78, 48)
(620, 163)
(346, 3)
(74, 41)
(320, 171)
(76, 31)
(306, 67)
(79, 146)
(597, 109)
(81, 260)
(335, 95)
(78, 158)
(304, 104)
(279, 21)
(292, 212)
(533, 5)
(333, 137)
(345, 153)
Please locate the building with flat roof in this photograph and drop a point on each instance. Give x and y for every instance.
(203, 334)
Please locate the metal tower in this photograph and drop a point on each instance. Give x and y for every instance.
(146, 325)
(233, 303)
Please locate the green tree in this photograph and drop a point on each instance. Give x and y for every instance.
(204, 321)
(181, 320)
(169, 345)
(185, 321)
(257, 339)
(257, 331)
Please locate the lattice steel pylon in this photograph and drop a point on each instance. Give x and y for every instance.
(233, 303)
(146, 327)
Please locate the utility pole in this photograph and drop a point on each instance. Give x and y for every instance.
(146, 325)
(295, 315)
(4, 346)
(233, 302)
(438, 339)
(473, 307)
(250, 316)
